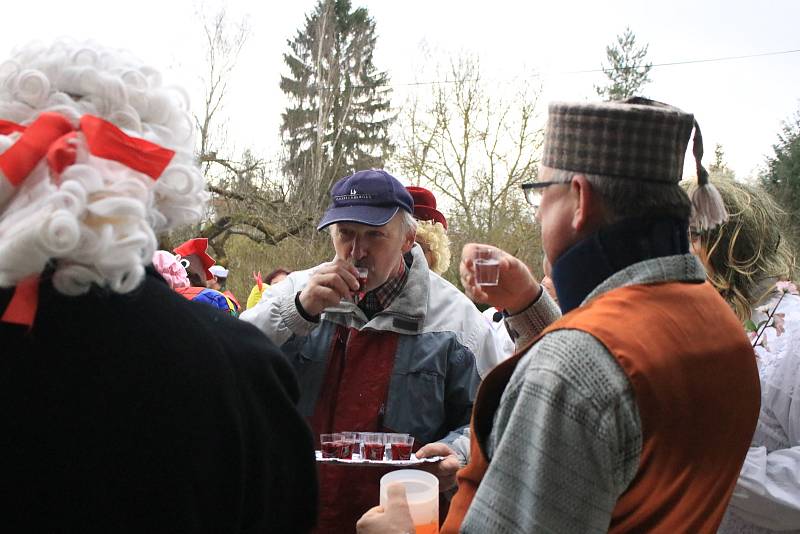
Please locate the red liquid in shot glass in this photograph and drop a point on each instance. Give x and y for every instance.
(331, 449)
(373, 451)
(361, 276)
(346, 452)
(401, 451)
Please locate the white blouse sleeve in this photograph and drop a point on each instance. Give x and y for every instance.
(768, 491)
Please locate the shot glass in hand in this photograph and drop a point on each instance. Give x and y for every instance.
(363, 272)
(487, 266)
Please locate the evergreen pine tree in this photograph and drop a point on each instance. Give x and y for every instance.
(339, 113)
(627, 70)
(782, 174)
(718, 168)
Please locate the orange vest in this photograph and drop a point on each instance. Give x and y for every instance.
(695, 381)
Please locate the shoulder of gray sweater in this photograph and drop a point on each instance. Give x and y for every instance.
(578, 366)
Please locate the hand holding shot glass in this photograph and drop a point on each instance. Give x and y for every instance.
(492, 276)
(330, 284)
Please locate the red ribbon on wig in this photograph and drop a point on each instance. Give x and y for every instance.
(52, 136)
(8, 127)
(22, 306)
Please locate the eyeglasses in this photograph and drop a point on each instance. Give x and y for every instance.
(533, 192)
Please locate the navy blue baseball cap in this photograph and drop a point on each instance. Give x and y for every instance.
(370, 197)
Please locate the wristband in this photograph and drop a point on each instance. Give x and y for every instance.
(302, 311)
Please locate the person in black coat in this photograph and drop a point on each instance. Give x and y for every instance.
(125, 407)
(146, 412)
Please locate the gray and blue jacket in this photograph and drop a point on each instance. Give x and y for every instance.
(443, 340)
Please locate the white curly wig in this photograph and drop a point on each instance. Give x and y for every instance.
(435, 237)
(98, 221)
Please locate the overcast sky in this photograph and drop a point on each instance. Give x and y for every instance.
(739, 103)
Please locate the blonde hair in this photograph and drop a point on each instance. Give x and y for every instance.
(434, 235)
(97, 222)
(750, 250)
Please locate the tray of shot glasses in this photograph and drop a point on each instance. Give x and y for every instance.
(370, 449)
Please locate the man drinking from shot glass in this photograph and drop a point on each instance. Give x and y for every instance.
(397, 355)
(633, 411)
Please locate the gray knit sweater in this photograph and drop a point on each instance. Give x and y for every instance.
(567, 437)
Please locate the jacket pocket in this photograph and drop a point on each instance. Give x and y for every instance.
(310, 367)
(415, 404)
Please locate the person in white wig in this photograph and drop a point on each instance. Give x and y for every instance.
(125, 408)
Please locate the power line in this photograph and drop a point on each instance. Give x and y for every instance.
(692, 61)
(600, 70)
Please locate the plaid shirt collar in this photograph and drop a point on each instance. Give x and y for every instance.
(381, 297)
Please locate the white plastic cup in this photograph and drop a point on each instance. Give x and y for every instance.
(422, 492)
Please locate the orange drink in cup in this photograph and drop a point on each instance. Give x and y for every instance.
(422, 492)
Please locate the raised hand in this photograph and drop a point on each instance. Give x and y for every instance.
(516, 289)
(330, 283)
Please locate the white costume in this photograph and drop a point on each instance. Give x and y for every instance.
(767, 495)
(502, 339)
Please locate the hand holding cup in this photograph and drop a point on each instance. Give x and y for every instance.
(332, 282)
(515, 289)
(393, 518)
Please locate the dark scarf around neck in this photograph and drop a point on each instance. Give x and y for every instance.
(588, 263)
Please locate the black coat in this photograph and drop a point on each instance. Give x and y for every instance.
(148, 413)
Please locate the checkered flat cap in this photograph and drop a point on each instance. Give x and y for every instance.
(636, 139)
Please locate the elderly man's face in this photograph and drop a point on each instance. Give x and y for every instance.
(555, 214)
(378, 248)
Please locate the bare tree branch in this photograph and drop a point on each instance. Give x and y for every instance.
(473, 149)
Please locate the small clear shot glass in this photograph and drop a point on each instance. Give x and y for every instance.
(487, 266)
